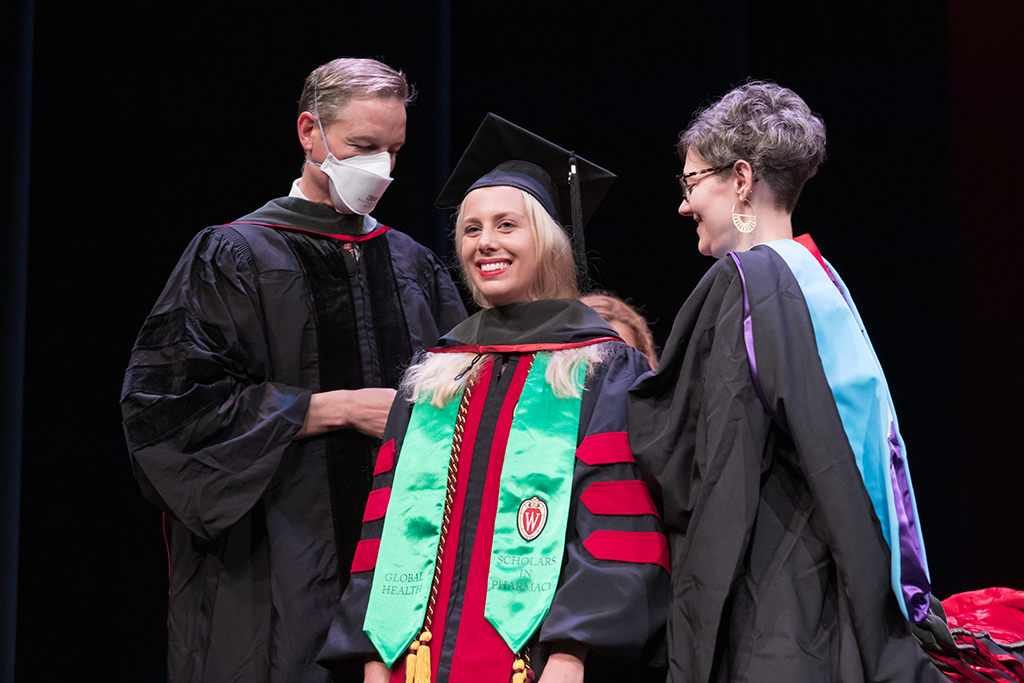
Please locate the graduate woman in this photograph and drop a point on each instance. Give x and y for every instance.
(769, 429)
(507, 534)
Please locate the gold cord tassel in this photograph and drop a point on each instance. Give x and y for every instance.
(422, 660)
(519, 671)
(410, 662)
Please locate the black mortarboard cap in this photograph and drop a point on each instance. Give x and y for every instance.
(502, 153)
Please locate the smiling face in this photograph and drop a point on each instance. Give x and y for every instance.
(498, 245)
(710, 204)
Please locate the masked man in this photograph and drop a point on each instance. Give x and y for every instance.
(261, 382)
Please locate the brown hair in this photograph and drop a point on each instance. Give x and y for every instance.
(612, 308)
(332, 85)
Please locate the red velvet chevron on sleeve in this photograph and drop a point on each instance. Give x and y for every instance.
(618, 498)
(629, 546)
(365, 558)
(605, 448)
(377, 504)
(385, 458)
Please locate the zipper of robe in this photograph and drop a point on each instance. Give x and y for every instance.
(417, 662)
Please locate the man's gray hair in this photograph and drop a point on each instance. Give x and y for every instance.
(770, 127)
(332, 85)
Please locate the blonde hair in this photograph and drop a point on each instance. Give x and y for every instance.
(555, 277)
(440, 377)
(614, 309)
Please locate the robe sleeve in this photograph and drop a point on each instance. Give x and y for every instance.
(205, 429)
(346, 638)
(614, 587)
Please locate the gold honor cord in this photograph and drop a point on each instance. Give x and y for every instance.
(417, 662)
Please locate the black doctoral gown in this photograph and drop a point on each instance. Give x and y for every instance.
(258, 315)
(780, 568)
(615, 605)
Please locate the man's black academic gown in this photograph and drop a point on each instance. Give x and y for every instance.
(258, 315)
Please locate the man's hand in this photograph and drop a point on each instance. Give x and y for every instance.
(365, 410)
(374, 671)
(565, 665)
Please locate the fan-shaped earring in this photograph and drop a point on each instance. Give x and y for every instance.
(744, 222)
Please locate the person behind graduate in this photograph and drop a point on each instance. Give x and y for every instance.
(626, 320)
(770, 434)
(507, 535)
(260, 383)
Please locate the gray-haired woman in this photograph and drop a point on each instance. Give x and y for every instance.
(770, 432)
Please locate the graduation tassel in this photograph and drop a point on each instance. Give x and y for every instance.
(579, 249)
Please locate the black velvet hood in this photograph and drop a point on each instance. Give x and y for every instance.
(529, 326)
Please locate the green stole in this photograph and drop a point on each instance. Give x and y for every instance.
(533, 503)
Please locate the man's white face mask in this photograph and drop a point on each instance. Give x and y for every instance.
(356, 182)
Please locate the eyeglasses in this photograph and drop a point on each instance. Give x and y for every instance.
(687, 188)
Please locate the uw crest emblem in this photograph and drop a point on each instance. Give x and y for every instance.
(533, 515)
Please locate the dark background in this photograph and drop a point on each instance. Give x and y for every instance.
(150, 121)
